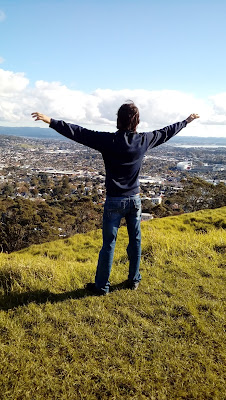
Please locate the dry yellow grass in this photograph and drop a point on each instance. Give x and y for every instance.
(164, 342)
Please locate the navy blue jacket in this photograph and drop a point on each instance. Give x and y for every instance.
(122, 152)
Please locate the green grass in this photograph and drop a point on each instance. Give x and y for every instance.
(164, 342)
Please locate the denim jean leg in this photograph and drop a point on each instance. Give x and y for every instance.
(134, 247)
(111, 222)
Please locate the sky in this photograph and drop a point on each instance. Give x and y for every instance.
(79, 60)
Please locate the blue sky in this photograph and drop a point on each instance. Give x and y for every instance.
(79, 60)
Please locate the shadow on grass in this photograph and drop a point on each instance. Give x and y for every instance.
(14, 300)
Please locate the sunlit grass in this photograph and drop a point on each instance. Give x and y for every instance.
(164, 342)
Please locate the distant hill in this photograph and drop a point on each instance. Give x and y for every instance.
(164, 341)
(46, 133)
(198, 140)
(35, 133)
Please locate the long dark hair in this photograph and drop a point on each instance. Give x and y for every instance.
(128, 117)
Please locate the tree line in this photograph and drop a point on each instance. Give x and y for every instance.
(196, 194)
(25, 222)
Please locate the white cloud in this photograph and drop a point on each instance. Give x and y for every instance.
(12, 94)
(98, 109)
(2, 16)
(1, 60)
(12, 83)
(219, 103)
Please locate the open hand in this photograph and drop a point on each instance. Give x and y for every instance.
(192, 117)
(41, 117)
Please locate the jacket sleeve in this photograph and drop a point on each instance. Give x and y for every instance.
(93, 139)
(160, 136)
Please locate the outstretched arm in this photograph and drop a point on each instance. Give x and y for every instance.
(94, 139)
(160, 136)
(41, 117)
(191, 118)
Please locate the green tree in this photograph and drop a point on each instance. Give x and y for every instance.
(198, 194)
(7, 190)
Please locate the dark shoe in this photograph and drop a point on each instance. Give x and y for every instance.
(132, 285)
(91, 287)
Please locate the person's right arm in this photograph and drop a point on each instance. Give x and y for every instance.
(160, 136)
(191, 118)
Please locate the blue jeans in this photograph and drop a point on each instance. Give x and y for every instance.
(116, 208)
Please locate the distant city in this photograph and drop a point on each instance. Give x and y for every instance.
(23, 157)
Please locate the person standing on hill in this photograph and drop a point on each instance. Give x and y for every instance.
(122, 152)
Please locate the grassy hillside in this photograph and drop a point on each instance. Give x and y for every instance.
(164, 342)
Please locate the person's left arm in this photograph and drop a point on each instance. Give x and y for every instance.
(90, 138)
